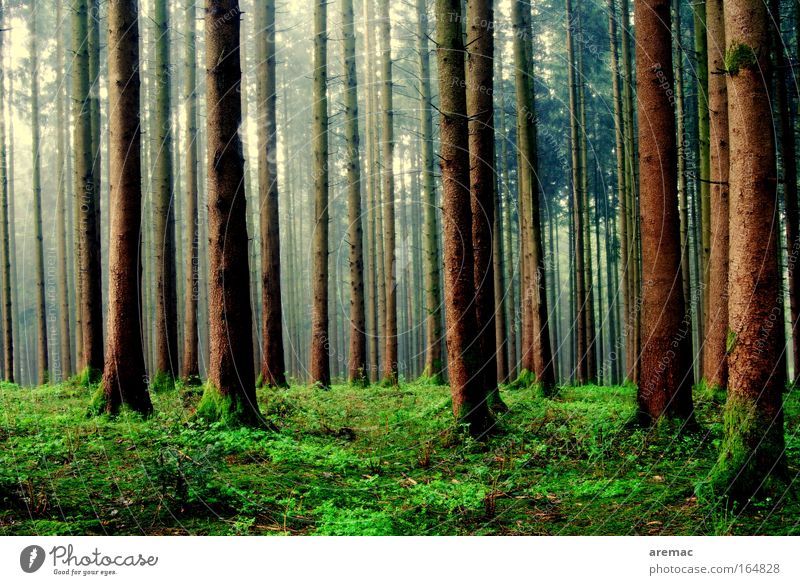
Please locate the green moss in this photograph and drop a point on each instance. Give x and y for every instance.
(99, 402)
(226, 409)
(260, 380)
(88, 376)
(525, 379)
(730, 342)
(360, 380)
(750, 460)
(738, 57)
(162, 382)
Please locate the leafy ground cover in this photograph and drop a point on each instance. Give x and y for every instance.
(368, 461)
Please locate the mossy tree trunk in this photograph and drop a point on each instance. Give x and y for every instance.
(124, 375)
(703, 146)
(230, 392)
(753, 446)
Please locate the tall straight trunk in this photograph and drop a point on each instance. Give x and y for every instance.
(753, 448)
(633, 317)
(480, 111)
(65, 345)
(320, 341)
(42, 362)
(387, 125)
(715, 362)
(469, 396)
(538, 328)
(371, 296)
(498, 259)
(273, 364)
(124, 375)
(703, 145)
(166, 329)
(582, 368)
(357, 365)
(8, 323)
(191, 367)
(230, 392)
(433, 294)
(86, 200)
(789, 180)
(683, 198)
(666, 386)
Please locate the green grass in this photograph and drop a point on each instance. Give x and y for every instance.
(379, 460)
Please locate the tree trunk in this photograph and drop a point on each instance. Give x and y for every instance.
(387, 124)
(433, 294)
(191, 368)
(469, 397)
(230, 392)
(666, 383)
(753, 448)
(357, 368)
(124, 375)
(273, 364)
(703, 145)
(320, 340)
(715, 363)
(166, 331)
(8, 323)
(42, 370)
(480, 111)
(86, 200)
(65, 345)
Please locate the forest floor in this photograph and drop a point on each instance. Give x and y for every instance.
(368, 461)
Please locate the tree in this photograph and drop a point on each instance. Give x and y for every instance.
(538, 349)
(387, 125)
(357, 368)
(469, 396)
(41, 312)
(715, 366)
(433, 294)
(191, 370)
(87, 233)
(753, 448)
(166, 307)
(480, 111)
(65, 343)
(124, 374)
(8, 323)
(666, 383)
(703, 144)
(273, 366)
(229, 394)
(320, 341)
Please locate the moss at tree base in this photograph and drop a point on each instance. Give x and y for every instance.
(215, 406)
(751, 462)
(162, 382)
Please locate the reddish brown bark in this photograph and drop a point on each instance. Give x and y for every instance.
(666, 364)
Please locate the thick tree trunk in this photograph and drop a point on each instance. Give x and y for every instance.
(480, 111)
(273, 364)
(703, 146)
(715, 362)
(191, 368)
(42, 362)
(230, 392)
(387, 124)
(753, 448)
(320, 341)
(166, 330)
(124, 375)
(667, 379)
(469, 396)
(433, 294)
(357, 365)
